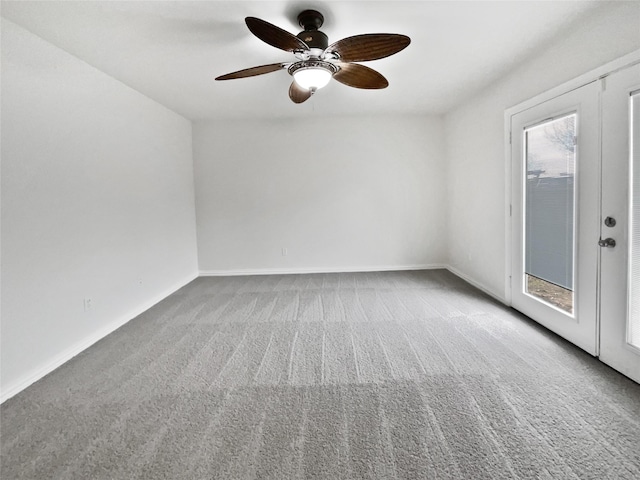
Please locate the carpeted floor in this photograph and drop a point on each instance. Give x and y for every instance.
(396, 375)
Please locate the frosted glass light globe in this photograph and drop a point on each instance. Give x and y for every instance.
(312, 78)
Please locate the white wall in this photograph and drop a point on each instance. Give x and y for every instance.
(339, 194)
(97, 201)
(475, 137)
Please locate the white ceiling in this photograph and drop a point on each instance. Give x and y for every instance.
(172, 50)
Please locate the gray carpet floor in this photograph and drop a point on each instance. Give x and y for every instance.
(396, 375)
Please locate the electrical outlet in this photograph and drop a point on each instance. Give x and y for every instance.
(88, 304)
(285, 252)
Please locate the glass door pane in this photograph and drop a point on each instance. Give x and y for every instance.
(550, 157)
(633, 330)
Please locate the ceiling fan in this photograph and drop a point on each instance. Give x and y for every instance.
(317, 62)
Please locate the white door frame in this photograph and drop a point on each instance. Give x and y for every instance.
(600, 72)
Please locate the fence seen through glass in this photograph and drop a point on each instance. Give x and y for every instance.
(550, 158)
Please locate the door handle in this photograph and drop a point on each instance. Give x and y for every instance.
(607, 242)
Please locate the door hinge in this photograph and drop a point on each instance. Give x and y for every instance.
(510, 210)
(509, 138)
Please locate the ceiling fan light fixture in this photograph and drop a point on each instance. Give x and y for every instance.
(312, 78)
(315, 66)
(312, 74)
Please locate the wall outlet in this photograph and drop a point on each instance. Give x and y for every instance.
(285, 252)
(88, 304)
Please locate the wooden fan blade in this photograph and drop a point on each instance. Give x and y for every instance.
(253, 71)
(371, 46)
(359, 76)
(275, 36)
(298, 94)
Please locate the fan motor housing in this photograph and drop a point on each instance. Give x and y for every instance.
(314, 38)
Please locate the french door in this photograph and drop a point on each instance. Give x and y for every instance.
(555, 166)
(620, 264)
(576, 217)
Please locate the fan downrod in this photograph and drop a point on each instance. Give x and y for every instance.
(310, 20)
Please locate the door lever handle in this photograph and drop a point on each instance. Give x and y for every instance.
(607, 242)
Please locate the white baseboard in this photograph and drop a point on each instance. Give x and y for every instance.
(74, 350)
(476, 284)
(294, 271)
